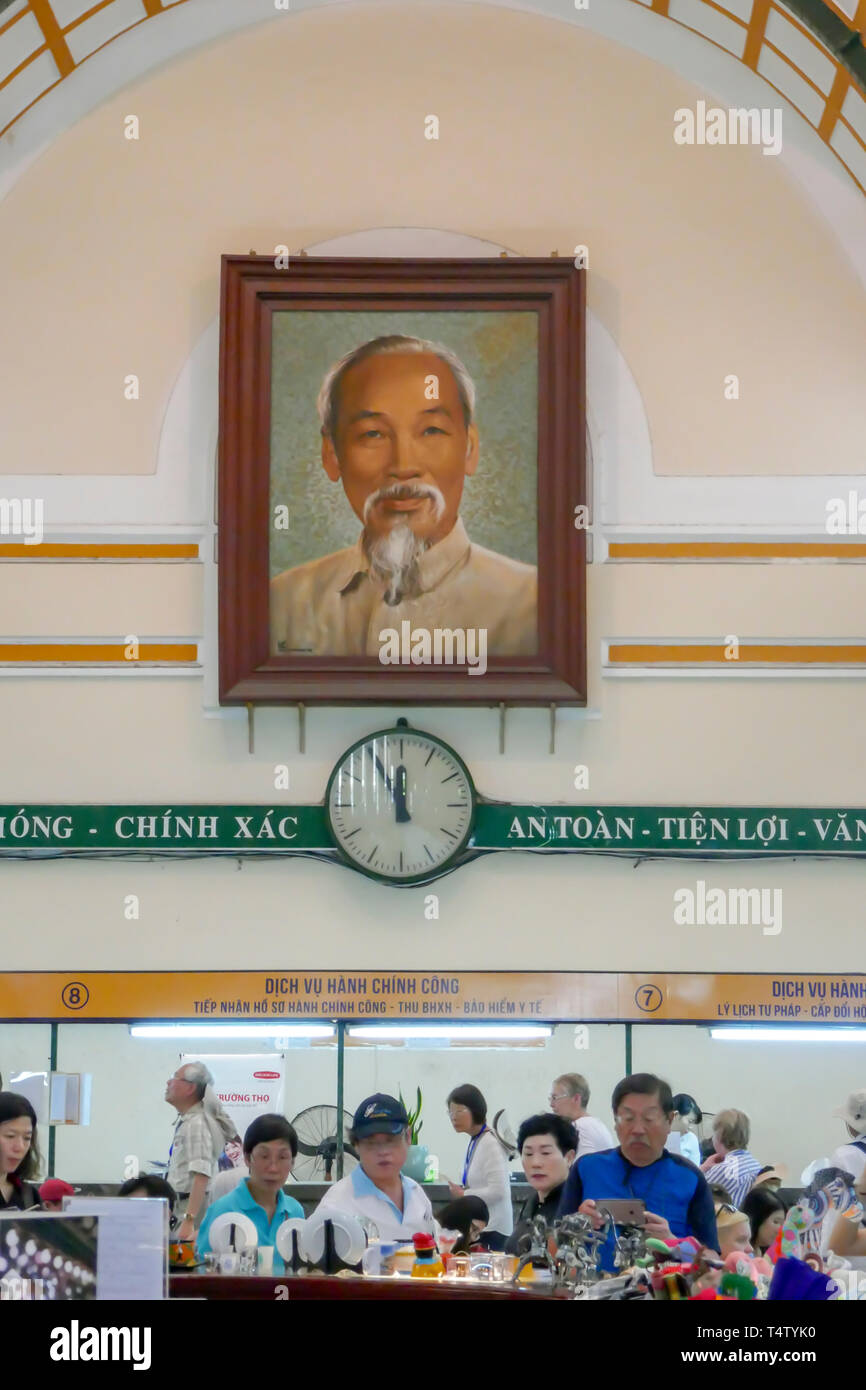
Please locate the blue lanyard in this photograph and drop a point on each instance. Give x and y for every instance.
(470, 1151)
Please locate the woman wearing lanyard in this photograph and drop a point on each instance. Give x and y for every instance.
(485, 1172)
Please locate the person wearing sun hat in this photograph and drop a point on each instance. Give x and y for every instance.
(851, 1156)
(771, 1178)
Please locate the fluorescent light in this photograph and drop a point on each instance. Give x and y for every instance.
(231, 1030)
(755, 1033)
(383, 1031)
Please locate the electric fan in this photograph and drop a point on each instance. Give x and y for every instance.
(504, 1133)
(316, 1128)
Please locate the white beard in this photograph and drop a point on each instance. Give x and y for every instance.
(394, 556)
(394, 561)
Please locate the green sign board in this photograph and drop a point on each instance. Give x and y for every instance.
(633, 831)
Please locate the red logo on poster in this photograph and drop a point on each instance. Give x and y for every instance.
(266, 1075)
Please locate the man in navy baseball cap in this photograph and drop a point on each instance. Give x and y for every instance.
(379, 1114)
(377, 1191)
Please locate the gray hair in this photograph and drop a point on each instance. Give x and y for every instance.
(198, 1074)
(576, 1085)
(328, 402)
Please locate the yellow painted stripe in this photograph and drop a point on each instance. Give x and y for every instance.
(833, 108)
(45, 18)
(755, 33)
(152, 7)
(777, 655)
(735, 550)
(711, 5)
(10, 77)
(780, 53)
(660, 6)
(88, 14)
(7, 24)
(56, 550)
(85, 653)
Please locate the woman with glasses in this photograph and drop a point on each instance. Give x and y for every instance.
(485, 1171)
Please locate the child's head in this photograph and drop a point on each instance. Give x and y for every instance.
(735, 1235)
(52, 1192)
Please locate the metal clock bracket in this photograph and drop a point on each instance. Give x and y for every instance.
(302, 727)
(502, 711)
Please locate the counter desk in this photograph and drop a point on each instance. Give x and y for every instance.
(339, 1287)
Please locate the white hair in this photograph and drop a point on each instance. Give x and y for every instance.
(198, 1074)
(328, 398)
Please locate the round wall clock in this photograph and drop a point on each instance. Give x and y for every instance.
(400, 806)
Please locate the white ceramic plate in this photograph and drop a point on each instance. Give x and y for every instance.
(220, 1233)
(350, 1241)
(284, 1238)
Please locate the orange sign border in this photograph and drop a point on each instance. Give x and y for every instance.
(413, 995)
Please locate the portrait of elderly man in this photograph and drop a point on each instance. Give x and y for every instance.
(398, 432)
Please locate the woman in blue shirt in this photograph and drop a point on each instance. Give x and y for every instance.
(270, 1149)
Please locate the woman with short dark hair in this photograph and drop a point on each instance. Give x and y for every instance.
(19, 1153)
(270, 1149)
(547, 1145)
(485, 1171)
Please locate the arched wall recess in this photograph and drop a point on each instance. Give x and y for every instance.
(53, 64)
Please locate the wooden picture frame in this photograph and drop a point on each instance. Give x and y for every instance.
(254, 290)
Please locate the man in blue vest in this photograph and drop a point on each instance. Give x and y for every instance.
(676, 1194)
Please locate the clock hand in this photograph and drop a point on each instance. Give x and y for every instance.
(380, 765)
(401, 814)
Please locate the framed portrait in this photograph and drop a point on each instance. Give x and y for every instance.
(402, 481)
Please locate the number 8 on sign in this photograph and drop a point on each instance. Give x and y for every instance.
(75, 995)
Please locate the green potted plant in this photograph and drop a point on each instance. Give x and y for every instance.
(416, 1162)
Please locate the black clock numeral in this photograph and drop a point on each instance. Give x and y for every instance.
(356, 831)
(448, 778)
(401, 861)
(372, 852)
(429, 855)
(429, 756)
(446, 831)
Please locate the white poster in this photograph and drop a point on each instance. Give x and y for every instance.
(248, 1084)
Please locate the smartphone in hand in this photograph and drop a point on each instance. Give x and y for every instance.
(624, 1211)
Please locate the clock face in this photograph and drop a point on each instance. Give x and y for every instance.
(400, 805)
